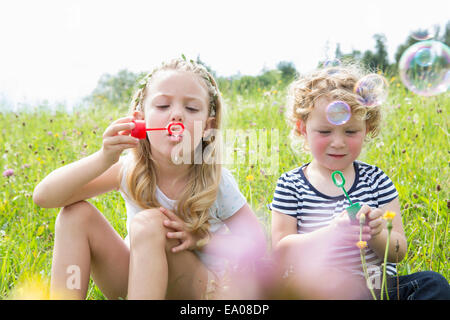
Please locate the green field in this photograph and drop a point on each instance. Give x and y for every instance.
(413, 149)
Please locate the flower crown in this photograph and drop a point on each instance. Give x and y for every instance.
(211, 86)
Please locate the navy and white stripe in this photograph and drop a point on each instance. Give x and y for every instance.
(295, 196)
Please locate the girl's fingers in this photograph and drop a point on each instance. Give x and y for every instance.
(375, 214)
(173, 224)
(176, 235)
(169, 214)
(115, 129)
(364, 209)
(375, 223)
(120, 140)
(123, 119)
(181, 247)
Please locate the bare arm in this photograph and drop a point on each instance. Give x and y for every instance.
(285, 237)
(378, 241)
(77, 181)
(284, 234)
(90, 176)
(282, 226)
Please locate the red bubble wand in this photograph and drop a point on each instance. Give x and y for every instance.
(140, 130)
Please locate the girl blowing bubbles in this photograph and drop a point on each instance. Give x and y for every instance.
(175, 212)
(312, 234)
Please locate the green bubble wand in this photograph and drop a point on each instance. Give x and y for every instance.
(354, 207)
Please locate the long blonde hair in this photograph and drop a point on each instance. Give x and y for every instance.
(203, 179)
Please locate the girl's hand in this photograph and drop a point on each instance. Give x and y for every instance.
(116, 138)
(375, 222)
(345, 232)
(188, 241)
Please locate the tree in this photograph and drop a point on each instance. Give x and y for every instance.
(288, 71)
(381, 54)
(377, 60)
(446, 36)
(116, 89)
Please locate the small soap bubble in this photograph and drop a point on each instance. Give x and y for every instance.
(338, 113)
(331, 63)
(425, 57)
(371, 90)
(425, 68)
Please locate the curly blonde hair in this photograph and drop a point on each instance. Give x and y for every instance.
(334, 83)
(203, 179)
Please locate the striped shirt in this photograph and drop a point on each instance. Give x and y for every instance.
(295, 196)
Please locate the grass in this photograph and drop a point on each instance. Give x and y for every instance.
(412, 148)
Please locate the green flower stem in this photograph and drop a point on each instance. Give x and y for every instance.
(363, 256)
(389, 227)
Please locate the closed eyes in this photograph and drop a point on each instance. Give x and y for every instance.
(190, 109)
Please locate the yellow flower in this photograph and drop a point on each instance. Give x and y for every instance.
(249, 178)
(389, 215)
(56, 135)
(274, 91)
(361, 244)
(33, 288)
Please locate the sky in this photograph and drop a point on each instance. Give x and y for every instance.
(57, 50)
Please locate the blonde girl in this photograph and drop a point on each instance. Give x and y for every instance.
(176, 211)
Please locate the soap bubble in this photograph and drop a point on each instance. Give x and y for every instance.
(425, 68)
(425, 57)
(424, 34)
(331, 63)
(371, 90)
(338, 112)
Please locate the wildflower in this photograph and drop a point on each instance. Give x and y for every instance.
(361, 244)
(389, 215)
(8, 172)
(362, 218)
(249, 178)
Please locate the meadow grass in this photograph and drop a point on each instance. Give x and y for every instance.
(412, 148)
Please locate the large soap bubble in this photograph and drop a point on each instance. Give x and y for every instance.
(371, 90)
(425, 68)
